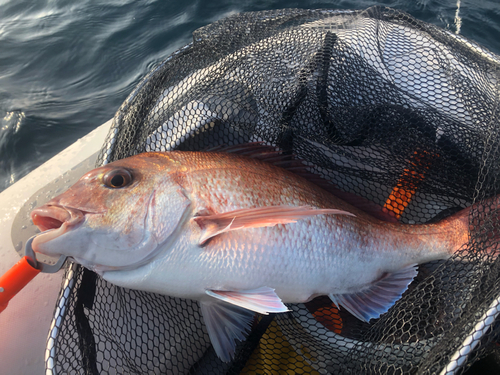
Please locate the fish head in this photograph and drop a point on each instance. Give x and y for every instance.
(115, 217)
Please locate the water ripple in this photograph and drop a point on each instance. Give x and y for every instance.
(67, 65)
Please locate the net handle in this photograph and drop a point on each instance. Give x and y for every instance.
(15, 279)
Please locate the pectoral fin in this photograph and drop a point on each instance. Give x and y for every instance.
(379, 297)
(213, 225)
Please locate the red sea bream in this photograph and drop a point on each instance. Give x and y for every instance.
(239, 235)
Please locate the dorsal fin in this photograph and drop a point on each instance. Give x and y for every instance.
(272, 155)
(251, 149)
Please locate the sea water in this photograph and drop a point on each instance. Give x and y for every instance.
(67, 65)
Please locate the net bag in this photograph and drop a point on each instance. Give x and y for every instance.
(384, 106)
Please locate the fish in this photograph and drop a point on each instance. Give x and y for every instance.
(240, 233)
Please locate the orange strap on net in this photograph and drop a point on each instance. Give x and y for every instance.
(16, 279)
(398, 200)
(412, 176)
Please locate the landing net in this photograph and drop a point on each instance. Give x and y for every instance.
(380, 104)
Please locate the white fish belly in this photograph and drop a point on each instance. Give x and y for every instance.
(298, 260)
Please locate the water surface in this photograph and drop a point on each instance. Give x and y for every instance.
(66, 66)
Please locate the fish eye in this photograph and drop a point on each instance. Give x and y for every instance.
(117, 178)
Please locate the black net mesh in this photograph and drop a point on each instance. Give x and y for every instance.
(380, 104)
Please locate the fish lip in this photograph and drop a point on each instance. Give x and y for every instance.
(55, 220)
(55, 213)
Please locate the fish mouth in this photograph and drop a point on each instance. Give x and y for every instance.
(54, 221)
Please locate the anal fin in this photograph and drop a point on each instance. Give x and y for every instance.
(379, 297)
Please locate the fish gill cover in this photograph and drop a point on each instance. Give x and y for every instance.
(382, 105)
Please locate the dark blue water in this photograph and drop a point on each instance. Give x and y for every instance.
(67, 65)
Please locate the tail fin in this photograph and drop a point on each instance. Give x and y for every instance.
(477, 225)
(483, 219)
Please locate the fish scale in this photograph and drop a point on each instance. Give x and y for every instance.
(239, 235)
